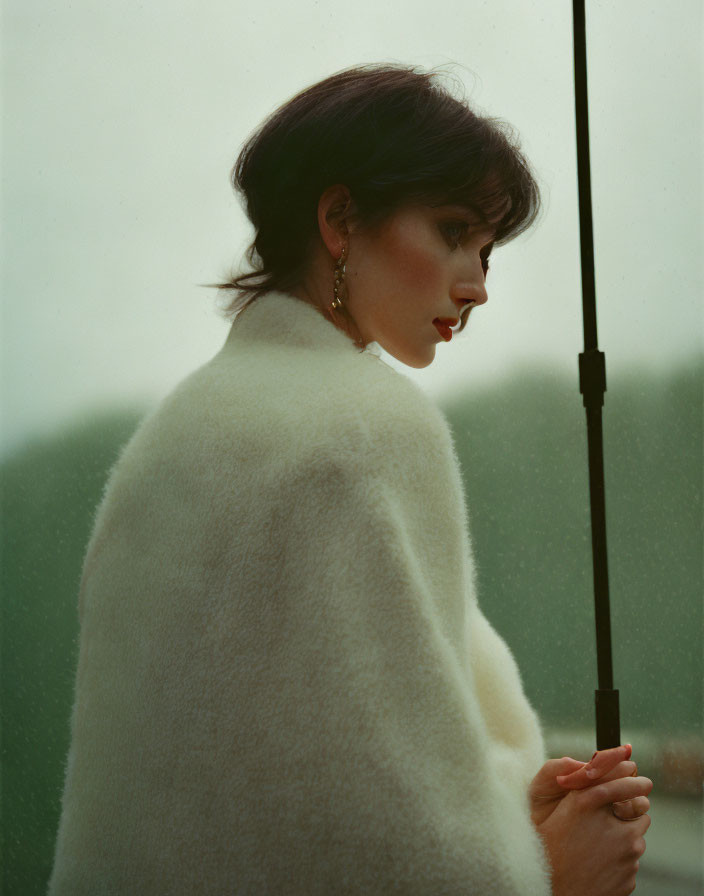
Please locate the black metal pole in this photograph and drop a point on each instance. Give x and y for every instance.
(592, 385)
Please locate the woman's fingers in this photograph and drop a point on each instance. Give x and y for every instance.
(602, 763)
(622, 770)
(606, 792)
(577, 780)
(627, 809)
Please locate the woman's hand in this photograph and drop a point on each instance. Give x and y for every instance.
(607, 765)
(559, 776)
(589, 850)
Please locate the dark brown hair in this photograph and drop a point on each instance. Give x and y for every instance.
(392, 135)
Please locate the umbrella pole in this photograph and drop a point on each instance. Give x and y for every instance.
(592, 385)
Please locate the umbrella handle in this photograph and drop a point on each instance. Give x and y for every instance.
(608, 730)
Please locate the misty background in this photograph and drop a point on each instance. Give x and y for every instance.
(120, 124)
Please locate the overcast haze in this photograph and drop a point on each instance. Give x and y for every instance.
(121, 122)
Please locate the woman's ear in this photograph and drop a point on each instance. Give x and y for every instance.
(334, 206)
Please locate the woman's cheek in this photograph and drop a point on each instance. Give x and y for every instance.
(419, 267)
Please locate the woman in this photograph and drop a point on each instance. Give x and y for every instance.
(285, 682)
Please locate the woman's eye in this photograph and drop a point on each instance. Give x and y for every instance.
(459, 227)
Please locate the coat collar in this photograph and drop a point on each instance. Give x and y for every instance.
(278, 318)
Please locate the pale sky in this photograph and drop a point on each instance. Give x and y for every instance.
(121, 122)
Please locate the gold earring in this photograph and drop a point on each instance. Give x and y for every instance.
(339, 287)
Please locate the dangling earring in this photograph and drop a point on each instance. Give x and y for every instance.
(340, 289)
(340, 286)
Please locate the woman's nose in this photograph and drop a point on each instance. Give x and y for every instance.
(476, 293)
(477, 296)
(472, 286)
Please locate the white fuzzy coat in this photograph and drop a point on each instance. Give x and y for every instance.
(285, 684)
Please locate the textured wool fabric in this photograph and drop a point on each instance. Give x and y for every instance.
(285, 684)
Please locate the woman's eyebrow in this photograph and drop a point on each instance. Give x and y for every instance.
(473, 217)
(464, 209)
(473, 220)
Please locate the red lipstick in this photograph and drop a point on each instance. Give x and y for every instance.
(443, 324)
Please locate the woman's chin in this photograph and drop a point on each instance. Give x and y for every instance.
(420, 358)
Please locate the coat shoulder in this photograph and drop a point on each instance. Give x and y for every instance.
(278, 409)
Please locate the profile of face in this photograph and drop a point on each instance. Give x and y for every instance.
(422, 263)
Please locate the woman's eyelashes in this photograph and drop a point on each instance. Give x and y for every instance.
(460, 228)
(450, 226)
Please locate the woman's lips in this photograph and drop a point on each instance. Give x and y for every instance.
(443, 324)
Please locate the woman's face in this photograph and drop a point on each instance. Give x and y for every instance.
(423, 263)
